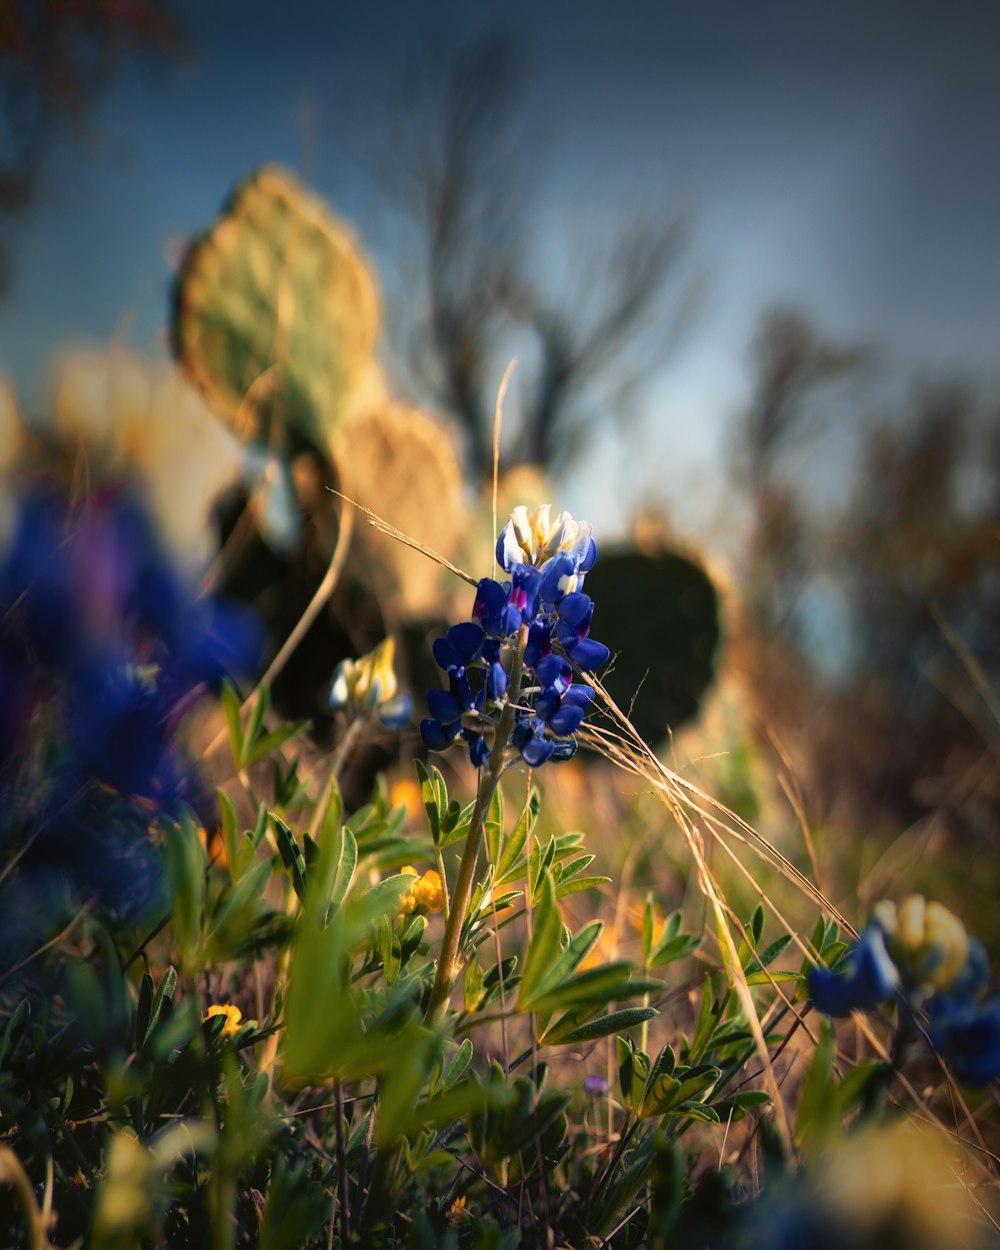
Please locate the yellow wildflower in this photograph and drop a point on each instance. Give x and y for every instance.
(424, 895)
(234, 1017)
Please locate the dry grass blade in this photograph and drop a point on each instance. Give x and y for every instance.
(385, 528)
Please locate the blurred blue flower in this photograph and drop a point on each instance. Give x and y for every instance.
(104, 646)
(866, 978)
(967, 1033)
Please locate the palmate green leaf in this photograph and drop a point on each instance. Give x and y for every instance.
(466, 1098)
(143, 1009)
(331, 873)
(603, 1026)
(668, 1092)
(402, 1081)
(697, 1111)
(455, 823)
(570, 959)
(546, 941)
(769, 954)
(185, 864)
(542, 857)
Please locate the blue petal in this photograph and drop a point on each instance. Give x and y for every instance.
(496, 682)
(566, 720)
(467, 640)
(553, 671)
(867, 978)
(479, 751)
(436, 735)
(395, 713)
(576, 610)
(443, 706)
(563, 750)
(558, 567)
(445, 655)
(587, 654)
(580, 694)
(589, 557)
(536, 751)
(539, 643)
(490, 606)
(547, 704)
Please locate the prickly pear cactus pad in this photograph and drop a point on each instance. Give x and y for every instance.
(403, 464)
(276, 311)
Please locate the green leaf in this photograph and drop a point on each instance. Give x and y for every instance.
(291, 855)
(546, 941)
(230, 832)
(434, 793)
(697, 1111)
(604, 1026)
(458, 1065)
(143, 1009)
(573, 955)
(511, 863)
(234, 723)
(578, 884)
(455, 825)
(819, 1115)
(602, 985)
(272, 742)
(493, 825)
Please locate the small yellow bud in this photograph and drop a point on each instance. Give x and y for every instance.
(234, 1017)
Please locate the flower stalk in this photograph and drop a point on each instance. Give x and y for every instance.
(447, 967)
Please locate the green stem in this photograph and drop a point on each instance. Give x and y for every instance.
(447, 968)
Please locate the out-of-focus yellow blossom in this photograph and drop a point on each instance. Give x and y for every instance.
(215, 846)
(234, 1017)
(369, 684)
(927, 942)
(424, 895)
(406, 793)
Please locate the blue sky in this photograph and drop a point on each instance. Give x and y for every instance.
(839, 156)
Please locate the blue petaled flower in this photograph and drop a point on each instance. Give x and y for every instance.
(539, 615)
(920, 954)
(369, 685)
(867, 979)
(967, 1033)
(104, 647)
